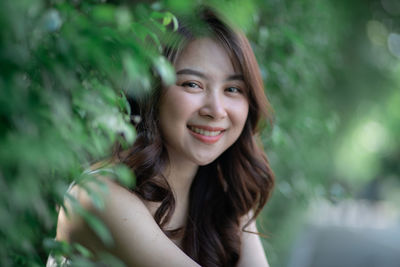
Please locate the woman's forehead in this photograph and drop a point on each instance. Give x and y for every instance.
(207, 54)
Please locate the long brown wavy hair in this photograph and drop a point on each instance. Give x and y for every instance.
(239, 181)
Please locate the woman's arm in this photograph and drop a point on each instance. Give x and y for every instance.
(252, 252)
(138, 240)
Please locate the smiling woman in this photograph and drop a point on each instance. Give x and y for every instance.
(201, 179)
(211, 108)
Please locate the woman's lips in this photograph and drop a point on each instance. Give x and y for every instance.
(206, 134)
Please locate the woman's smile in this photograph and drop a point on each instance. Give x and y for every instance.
(206, 134)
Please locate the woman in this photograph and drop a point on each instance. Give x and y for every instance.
(201, 179)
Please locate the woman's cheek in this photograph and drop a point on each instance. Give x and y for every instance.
(239, 108)
(182, 103)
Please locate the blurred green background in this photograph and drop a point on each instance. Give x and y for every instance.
(331, 70)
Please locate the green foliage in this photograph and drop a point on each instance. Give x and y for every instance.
(66, 69)
(326, 79)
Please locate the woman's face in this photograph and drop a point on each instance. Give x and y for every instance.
(205, 111)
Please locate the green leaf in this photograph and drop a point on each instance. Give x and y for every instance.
(124, 175)
(95, 197)
(83, 251)
(109, 260)
(114, 124)
(93, 221)
(123, 103)
(167, 20)
(99, 228)
(104, 13)
(165, 70)
(168, 17)
(157, 15)
(124, 18)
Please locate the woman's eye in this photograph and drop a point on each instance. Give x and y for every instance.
(190, 84)
(233, 90)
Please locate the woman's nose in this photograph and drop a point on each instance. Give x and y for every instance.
(213, 106)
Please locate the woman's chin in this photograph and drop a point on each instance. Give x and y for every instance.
(205, 161)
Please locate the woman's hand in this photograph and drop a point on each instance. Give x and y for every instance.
(252, 252)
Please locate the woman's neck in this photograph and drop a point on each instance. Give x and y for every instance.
(180, 174)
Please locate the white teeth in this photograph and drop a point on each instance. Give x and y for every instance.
(204, 132)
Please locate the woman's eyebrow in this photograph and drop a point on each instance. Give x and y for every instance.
(233, 77)
(191, 72)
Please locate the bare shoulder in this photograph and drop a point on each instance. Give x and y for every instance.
(138, 240)
(117, 201)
